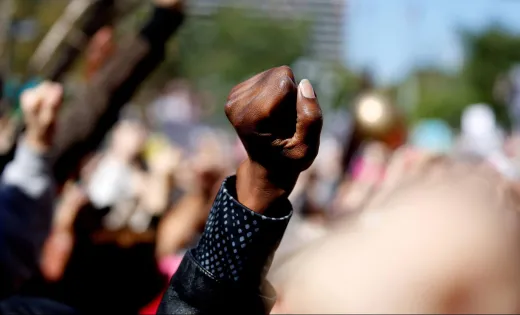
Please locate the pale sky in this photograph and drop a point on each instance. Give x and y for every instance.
(391, 36)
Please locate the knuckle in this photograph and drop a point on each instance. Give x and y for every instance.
(44, 87)
(302, 152)
(234, 90)
(28, 99)
(299, 153)
(314, 118)
(286, 85)
(284, 71)
(228, 108)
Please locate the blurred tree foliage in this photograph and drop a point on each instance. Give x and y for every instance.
(213, 52)
(43, 14)
(216, 52)
(489, 54)
(440, 95)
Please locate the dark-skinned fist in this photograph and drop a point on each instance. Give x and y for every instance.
(279, 123)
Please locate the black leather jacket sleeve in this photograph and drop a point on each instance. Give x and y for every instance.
(225, 273)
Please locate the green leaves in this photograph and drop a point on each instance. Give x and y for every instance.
(489, 54)
(216, 52)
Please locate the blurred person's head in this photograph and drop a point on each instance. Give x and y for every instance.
(208, 163)
(128, 139)
(162, 156)
(441, 237)
(117, 175)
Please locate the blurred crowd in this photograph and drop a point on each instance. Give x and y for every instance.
(134, 196)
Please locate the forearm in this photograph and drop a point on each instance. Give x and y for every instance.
(227, 268)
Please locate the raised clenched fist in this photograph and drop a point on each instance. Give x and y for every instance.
(40, 107)
(279, 123)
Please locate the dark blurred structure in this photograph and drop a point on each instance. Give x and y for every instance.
(375, 118)
(326, 40)
(66, 39)
(71, 34)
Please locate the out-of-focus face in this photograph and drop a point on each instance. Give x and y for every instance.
(128, 139)
(443, 238)
(209, 162)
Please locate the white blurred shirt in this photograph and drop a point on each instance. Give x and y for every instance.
(110, 183)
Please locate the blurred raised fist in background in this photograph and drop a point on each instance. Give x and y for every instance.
(40, 107)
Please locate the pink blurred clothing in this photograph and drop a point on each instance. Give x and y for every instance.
(363, 171)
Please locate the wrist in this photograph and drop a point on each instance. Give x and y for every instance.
(259, 188)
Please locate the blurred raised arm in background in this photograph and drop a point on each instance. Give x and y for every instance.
(95, 110)
(26, 189)
(92, 112)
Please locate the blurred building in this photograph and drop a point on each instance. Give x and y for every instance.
(327, 17)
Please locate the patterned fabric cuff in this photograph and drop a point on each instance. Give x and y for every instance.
(237, 244)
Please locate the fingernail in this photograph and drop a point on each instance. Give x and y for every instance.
(306, 88)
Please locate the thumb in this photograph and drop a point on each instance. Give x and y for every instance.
(309, 119)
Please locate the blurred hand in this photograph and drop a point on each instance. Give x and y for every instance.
(279, 124)
(40, 107)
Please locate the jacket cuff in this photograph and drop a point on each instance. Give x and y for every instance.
(238, 244)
